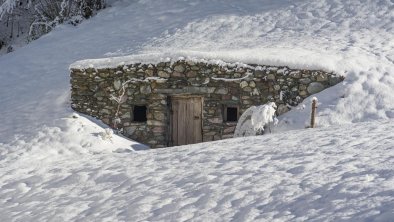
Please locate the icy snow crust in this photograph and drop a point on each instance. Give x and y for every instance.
(56, 167)
(328, 174)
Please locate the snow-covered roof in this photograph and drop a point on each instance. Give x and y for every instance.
(300, 59)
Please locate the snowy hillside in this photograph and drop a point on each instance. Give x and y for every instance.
(56, 165)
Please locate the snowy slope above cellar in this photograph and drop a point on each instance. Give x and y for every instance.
(352, 38)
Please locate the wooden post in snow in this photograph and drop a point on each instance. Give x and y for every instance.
(313, 114)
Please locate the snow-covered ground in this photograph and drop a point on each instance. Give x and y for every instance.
(330, 174)
(56, 167)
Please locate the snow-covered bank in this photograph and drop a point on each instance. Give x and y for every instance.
(74, 135)
(331, 174)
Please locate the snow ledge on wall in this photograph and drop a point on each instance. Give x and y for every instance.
(292, 58)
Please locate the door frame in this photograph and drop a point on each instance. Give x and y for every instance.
(171, 98)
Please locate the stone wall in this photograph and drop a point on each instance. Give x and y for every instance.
(110, 94)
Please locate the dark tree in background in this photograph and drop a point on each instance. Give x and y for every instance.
(25, 20)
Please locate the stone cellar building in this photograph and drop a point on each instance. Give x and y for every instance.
(187, 101)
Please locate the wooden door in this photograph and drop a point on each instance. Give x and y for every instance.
(186, 121)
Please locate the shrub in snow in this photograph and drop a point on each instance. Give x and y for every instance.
(255, 119)
(120, 98)
(10, 49)
(107, 134)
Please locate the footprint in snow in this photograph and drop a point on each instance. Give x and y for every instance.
(296, 170)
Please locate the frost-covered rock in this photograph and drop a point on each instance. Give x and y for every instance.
(315, 87)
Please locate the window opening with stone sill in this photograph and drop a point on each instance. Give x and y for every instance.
(139, 114)
(231, 113)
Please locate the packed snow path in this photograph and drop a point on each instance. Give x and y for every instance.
(336, 173)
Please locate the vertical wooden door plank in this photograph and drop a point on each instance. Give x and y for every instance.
(194, 120)
(198, 122)
(186, 121)
(175, 105)
(190, 121)
(181, 122)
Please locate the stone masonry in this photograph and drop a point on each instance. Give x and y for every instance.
(110, 94)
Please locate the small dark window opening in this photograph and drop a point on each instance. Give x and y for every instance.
(231, 114)
(139, 114)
